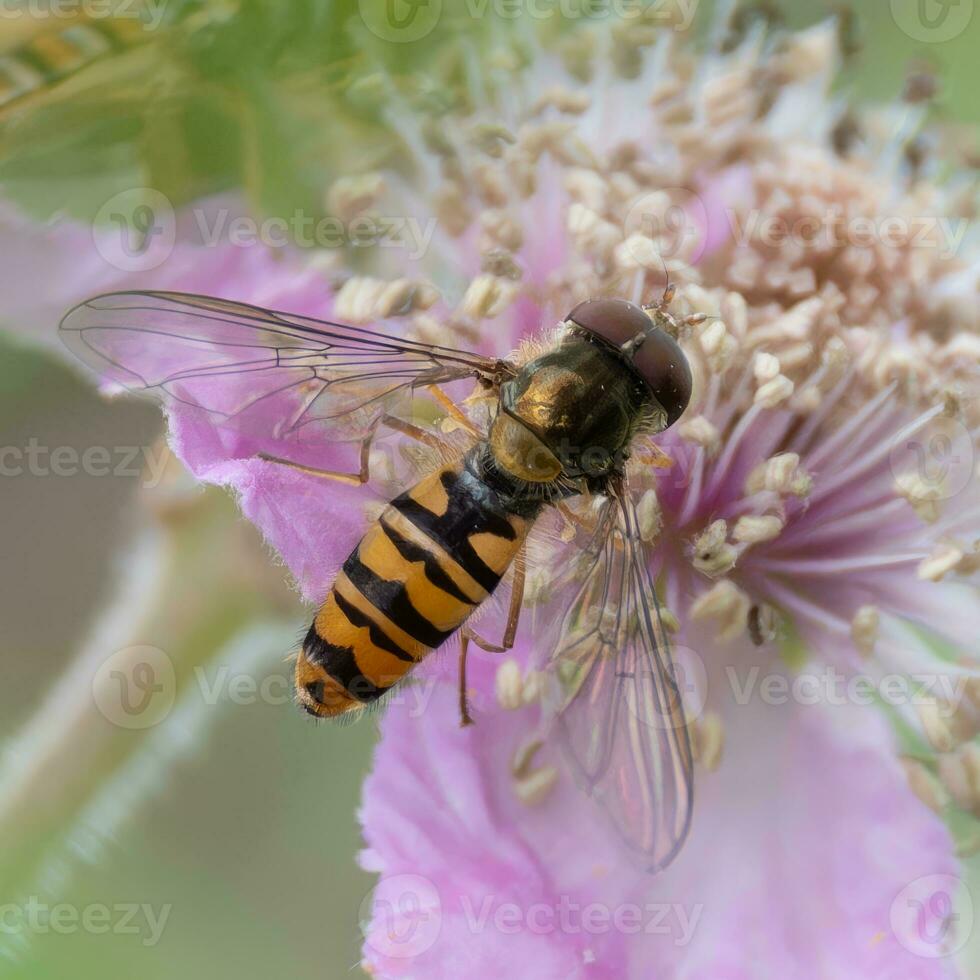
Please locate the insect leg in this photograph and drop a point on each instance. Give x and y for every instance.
(415, 432)
(364, 473)
(351, 479)
(513, 612)
(510, 632)
(465, 718)
(651, 454)
(455, 412)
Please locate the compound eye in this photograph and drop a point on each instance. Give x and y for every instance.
(659, 360)
(664, 367)
(613, 320)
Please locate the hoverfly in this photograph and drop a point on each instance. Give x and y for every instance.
(559, 427)
(52, 56)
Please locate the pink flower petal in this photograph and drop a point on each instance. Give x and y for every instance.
(801, 844)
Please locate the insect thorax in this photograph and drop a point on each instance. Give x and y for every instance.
(570, 413)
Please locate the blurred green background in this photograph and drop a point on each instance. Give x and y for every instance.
(238, 818)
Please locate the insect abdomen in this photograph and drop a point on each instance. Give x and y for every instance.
(52, 56)
(434, 555)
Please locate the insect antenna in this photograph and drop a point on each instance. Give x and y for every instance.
(669, 291)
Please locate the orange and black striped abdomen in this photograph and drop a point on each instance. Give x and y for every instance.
(433, 556)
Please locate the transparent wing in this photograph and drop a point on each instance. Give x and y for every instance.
(264, 372)
(618, 714)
